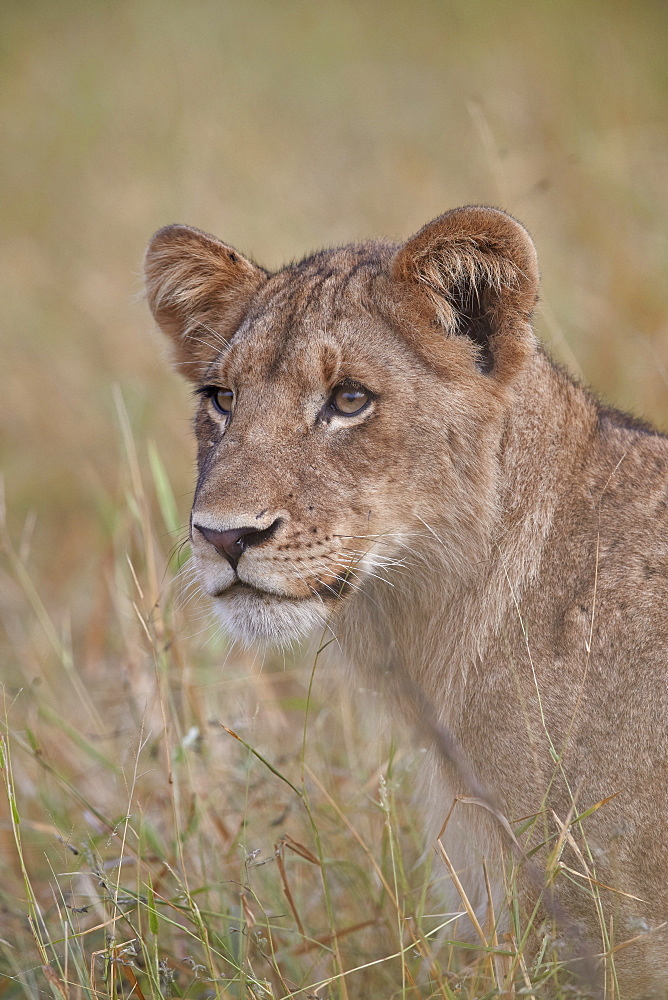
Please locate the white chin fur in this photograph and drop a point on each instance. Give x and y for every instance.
(277, 621)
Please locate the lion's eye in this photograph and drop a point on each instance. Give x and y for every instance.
(222, 399)
(349, 400)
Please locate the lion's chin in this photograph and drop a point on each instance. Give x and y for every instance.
(251, 615)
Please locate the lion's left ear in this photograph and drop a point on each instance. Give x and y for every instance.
(477, 269)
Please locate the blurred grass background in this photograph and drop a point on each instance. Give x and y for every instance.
(281, 127)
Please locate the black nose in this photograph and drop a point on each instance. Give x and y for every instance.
(232, 542)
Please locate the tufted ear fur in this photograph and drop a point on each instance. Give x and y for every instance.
(476, 268)
(199, 290)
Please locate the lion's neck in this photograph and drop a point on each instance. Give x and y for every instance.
(454, 594)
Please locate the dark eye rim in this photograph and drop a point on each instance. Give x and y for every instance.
(211, 392)
(349, 385)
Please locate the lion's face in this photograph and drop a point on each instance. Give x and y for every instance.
(321, 390)
(302, 452)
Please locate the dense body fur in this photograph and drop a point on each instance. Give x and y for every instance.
(481, 532)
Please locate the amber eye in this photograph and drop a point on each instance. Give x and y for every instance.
(349, 400)
(222, 399)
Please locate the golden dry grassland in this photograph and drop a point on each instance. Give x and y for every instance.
(144, 850)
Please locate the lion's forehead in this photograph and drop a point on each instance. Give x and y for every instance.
(316, 322)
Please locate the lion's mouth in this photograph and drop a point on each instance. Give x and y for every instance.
(239, 587)
(340, 587)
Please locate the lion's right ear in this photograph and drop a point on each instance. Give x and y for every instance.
(198, 290)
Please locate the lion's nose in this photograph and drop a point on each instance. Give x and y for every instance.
(232, 542)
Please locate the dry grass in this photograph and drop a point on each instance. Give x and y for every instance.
(280, 127)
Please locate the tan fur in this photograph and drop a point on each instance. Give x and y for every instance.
(484, 528)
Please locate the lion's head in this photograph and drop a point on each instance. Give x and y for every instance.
(341, 402)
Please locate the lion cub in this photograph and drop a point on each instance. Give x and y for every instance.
(382, 414)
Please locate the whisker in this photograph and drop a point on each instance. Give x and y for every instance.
(361, 575)
(225, 344)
